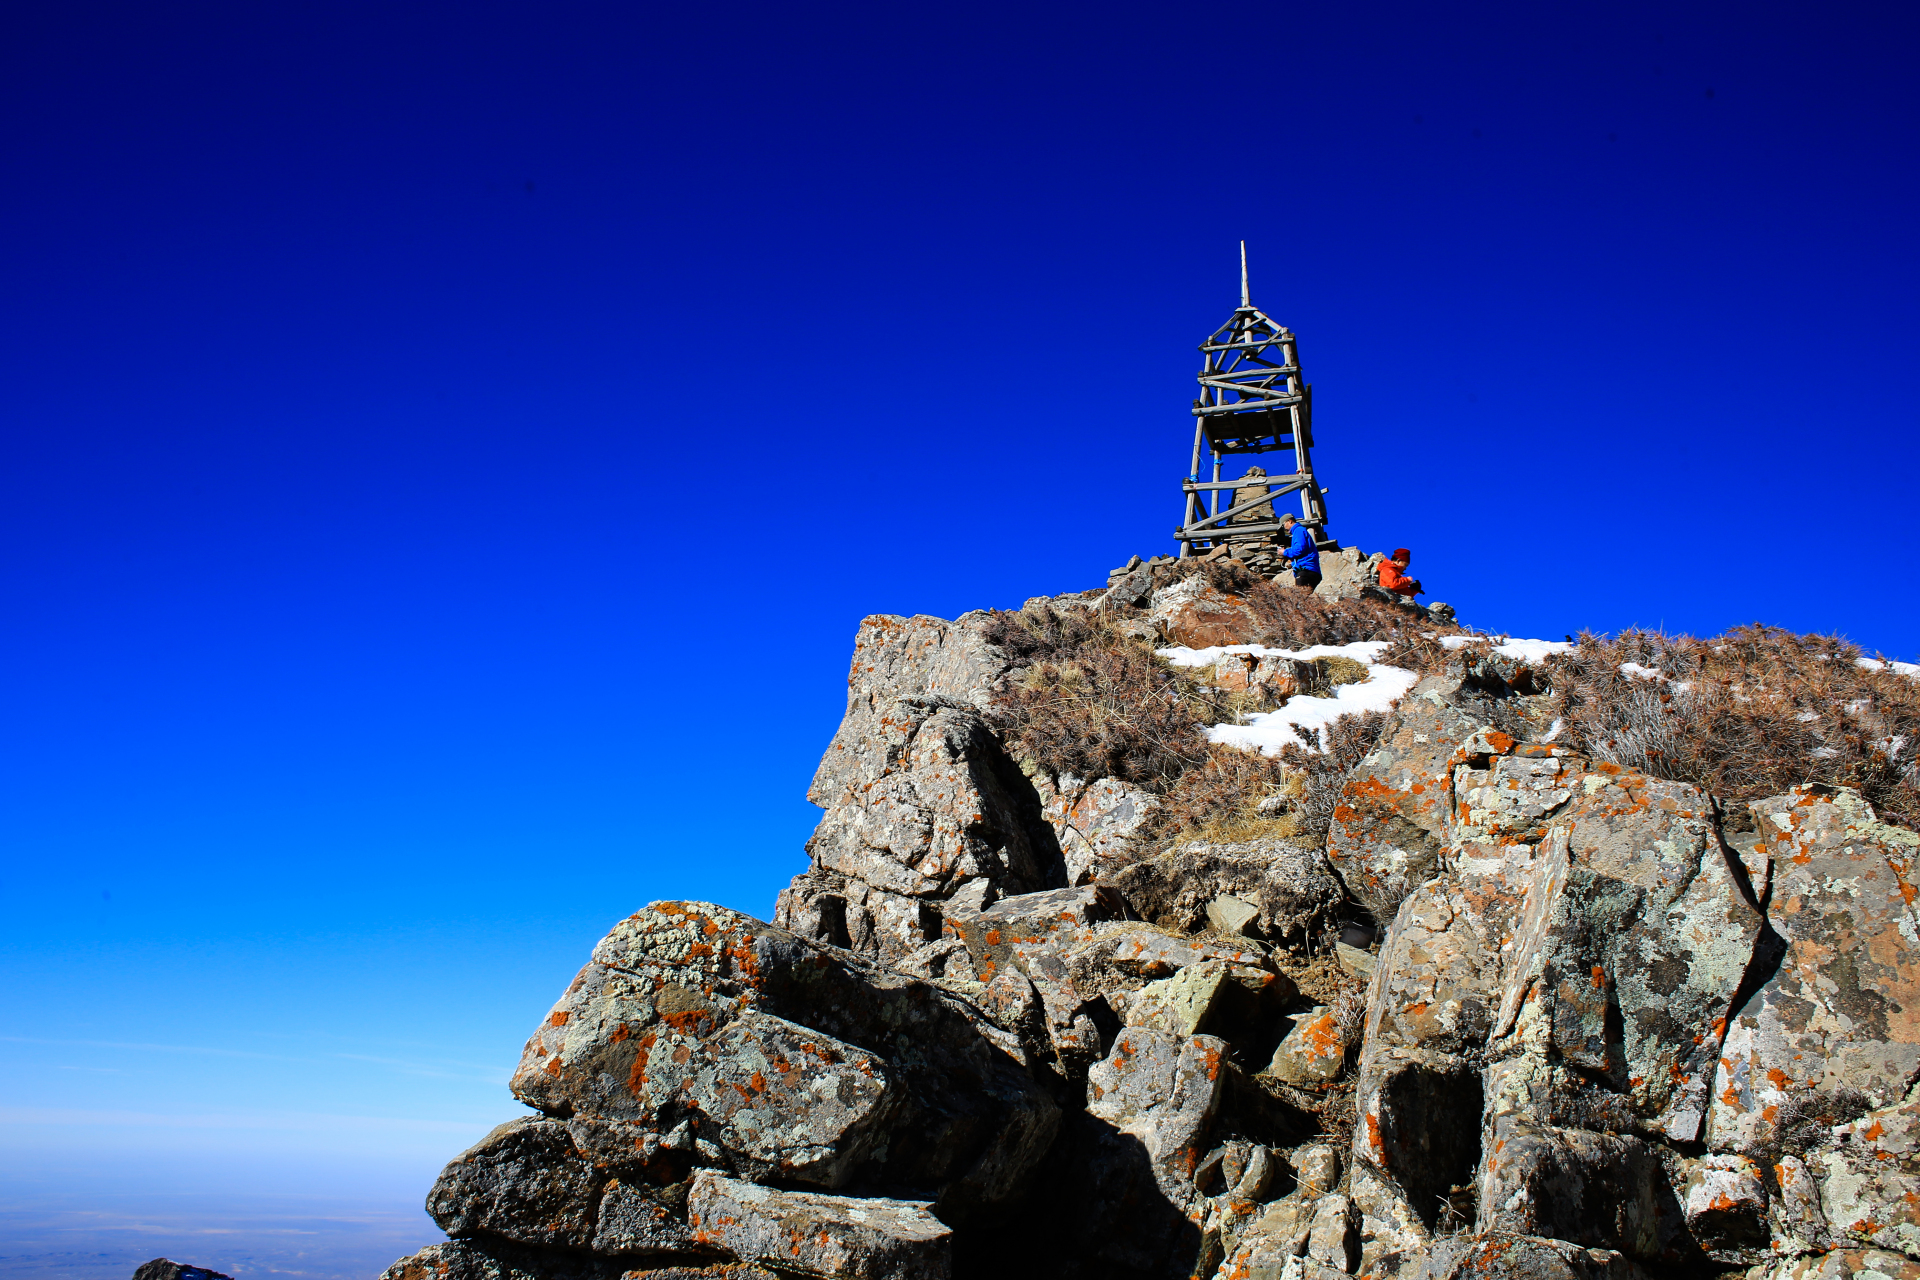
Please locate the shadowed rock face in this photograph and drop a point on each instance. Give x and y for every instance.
(786, 1059)
(1597, 1039)
(1837, 1024)
(921, 800)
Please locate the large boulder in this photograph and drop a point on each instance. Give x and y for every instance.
(920, 798)
(1093, 822)
(1843, 1264)
(1193, 613)
(1599, 1190)
(1834, 1029)
(1165, 1090)
(1507, 1257)
(783, 1059)
(1870, 1178)
(1290, 884)
(526, 1181)
(1634, 937)
(1390, 829)
(820, 1235)
(490, 1259)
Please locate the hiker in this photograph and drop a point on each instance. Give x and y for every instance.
(1301, 555)
(1393, 575)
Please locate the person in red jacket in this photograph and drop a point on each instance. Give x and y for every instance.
(1393, 574)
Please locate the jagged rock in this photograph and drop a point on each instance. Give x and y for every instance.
(639, 1218)
(1389, 830)
(1439, 971)
(1291, 883)
(1164, 1090)
(928, 809)
(1235, 1002)
(1231, 915)
(1870, 1181)
(524, 1181)
(1277, 1236)
(1020, 949)
(1330, 1236)
(1344, 572)
(168, 1269)
(1192, 613)
(1796, 1221)
(788, 1058)
(1390, 1230)
(1505, 1257)
(1724, 1200)
(1835, 1028)
(1128, 589)
(1313, 1052)
(919, 796)
(1031, 919)
(820, 1235)
(1093, 823)
(1599, 1190)
(1562, 948)
(1843, 1264)
(1417, 1135)
(488, 1259)
(1632, 942)
(1144, 952)
(1316, 1168)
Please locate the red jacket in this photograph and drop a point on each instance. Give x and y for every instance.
(1390, 576)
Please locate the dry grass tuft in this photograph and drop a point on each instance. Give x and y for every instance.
(1095, 703)
(1320, 775)
(1232, 795)
(1746, 715)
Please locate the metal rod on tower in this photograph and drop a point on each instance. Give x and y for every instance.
(1246, 299)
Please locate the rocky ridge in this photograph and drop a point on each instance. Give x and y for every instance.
(1475, 999)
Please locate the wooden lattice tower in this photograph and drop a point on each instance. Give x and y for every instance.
(1252, 400)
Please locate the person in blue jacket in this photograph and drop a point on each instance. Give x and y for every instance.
(1301, 555)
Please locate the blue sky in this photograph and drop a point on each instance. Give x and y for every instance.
(449, 449)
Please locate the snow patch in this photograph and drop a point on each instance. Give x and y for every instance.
(1525, 650)
(1302, 718)
(1532, 650)
(1639, 672)
(1875, 664)
(1367, 651)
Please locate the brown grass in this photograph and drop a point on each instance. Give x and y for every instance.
(1220, 799)
(1095, 703)
(1291, 619)
(1746, 715)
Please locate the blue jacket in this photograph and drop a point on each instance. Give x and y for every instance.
(1301, 551)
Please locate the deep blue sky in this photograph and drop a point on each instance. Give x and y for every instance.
(448, 449)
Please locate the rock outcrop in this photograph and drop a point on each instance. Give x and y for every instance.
(1521, 1012)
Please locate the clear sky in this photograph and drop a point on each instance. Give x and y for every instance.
(448, 450)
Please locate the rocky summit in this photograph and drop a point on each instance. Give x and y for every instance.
(1200, 927)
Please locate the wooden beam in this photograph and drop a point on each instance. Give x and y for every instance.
(1291, 482)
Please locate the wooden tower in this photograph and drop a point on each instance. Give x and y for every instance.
(1252, 400)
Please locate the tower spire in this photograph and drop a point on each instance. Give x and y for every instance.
(1252, 400)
